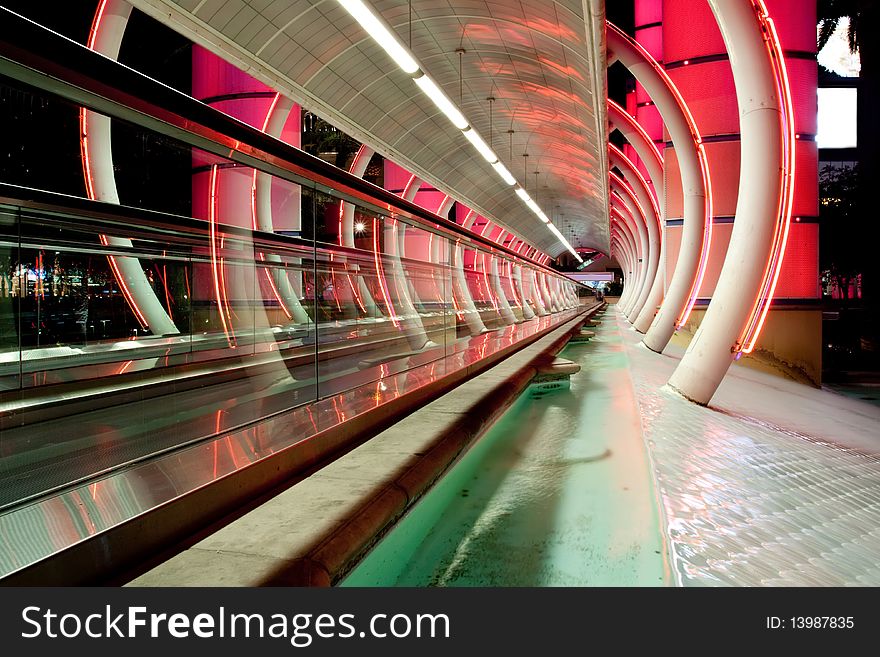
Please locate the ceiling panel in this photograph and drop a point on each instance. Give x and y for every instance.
(541, 60)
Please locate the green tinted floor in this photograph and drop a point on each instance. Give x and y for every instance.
(558, 493)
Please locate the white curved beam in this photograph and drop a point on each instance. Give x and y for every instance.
(653, 292)
(650, 156)
(504, 308)
(641, 142)
(629, 240)
(363, 296)
(537, 296)
(696, 233)
(637, 213)
(528, 312)
(763, 206)
(410, 320)
(108, 28)
(261, 209)
(625, 257)
(630, 225)
(466, 307)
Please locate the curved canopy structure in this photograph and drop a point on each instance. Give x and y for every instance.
(540, 61)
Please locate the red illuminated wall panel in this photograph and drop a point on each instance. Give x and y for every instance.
(689, 30)
(691, 34)
(648, 11)
(800, 277)
(707, 87)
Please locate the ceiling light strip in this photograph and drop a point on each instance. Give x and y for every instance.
(384, 36)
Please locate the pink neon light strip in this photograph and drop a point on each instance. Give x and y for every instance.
(216, 265)
(383, 284)
(755, 324)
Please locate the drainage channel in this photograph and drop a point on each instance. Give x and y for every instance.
(558, 493)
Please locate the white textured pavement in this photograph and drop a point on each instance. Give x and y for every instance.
(777, 485)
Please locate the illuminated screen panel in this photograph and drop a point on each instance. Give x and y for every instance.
(837, 118)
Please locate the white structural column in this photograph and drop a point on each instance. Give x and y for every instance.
(108, 28)
(629, 244)
(504, 308)
(626, 260)
(629, 269)
(653, 161)
(640, 141)
(628, 223)
(565, 291)
(695, 187)
(633, 272)
(358, 167)
(460, 290)
(409, 194)
(551, 288)
(621, 257)
(528, 312)
(765, 147)
(462, 293)
(545, 291)
(652, 293)
(536, 295)
(409, 318)
(440, 255)
(623, 192)
(545, 295)
(277, 116)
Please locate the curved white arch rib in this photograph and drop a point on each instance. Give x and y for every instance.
(628, 222)
(362, 294)
(653, 161)
(652, 293)
(638, 213)
(261, 202)
(647, 150)
(629, 243)
(697, 231)
(763, 210)
(105, 37)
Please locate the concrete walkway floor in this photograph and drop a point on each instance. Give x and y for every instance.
(774, 484)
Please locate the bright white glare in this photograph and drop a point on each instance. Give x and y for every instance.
(836, 57)
(432, 91)
(360, 227)
(376, 29)
(837, 117)
(481, 146)
(533, 206)
(506, 176)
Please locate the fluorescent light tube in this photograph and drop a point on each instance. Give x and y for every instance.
(504, 173)
(523, 194)
(480, 145)
(381, 34)
(435, 93)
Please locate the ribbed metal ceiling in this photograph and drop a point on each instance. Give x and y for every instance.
(542, 60)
